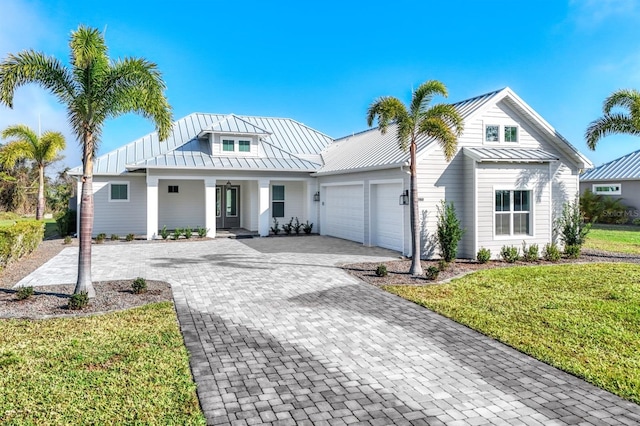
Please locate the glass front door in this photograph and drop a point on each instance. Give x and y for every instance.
(227, 207)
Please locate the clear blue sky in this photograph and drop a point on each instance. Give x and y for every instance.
(323, 63)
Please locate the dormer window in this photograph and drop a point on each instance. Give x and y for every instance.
(244, 146)
(228, 145)
(241, 145)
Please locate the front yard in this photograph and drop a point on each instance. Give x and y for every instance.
(614, 238)
(581, 318)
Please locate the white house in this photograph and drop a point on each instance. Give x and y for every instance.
(508, 181)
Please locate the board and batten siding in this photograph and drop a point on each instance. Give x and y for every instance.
(120, 217)
(182, 209)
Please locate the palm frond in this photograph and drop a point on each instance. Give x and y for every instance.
(51, 143)
(610, 124)
(15, 151)
(386, 110)
(624, 98)
(424, 94)
(20, 132)
(449, 115)
(87, 47)
(440, 130)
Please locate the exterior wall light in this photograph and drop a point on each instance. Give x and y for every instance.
(404, 198)
(316, 196)
(228, 185)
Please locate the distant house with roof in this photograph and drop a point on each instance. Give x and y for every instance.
(508, 181)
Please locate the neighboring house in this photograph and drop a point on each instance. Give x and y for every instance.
(508, 181)
(619, 178)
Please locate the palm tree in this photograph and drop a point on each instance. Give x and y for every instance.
(420, 121)
(616, 122)
(93, 88)
(42, 150)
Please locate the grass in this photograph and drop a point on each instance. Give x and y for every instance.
(128, 367)
(50, 228)
(614, 238)
(584, 319)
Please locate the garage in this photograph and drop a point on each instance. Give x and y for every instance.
(387, 216)
(344, 212)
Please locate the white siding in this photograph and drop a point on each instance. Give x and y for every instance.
(186, 208)
(293, 201)
(120, 218)
(249, 205)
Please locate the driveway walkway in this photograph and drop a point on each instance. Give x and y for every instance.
(278, 335)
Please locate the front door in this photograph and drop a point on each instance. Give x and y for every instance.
(227, 207)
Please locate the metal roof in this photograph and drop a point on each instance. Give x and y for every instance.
(290, 142)
(370, 148)
(517, 155)
(626, 167)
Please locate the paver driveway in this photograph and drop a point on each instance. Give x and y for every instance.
(278, 335)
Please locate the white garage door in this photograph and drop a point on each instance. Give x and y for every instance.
(386, 229)
(344, 212)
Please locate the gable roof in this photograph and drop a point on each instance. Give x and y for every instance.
(286, 145)
(623, 168)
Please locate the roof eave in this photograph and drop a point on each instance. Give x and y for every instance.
(362, 169)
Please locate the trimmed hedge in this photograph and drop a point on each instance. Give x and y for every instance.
(19, 239)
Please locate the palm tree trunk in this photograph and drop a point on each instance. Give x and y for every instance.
(416, 266)
(86, 222)
(40, 207)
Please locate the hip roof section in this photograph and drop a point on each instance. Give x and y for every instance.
(626, 167)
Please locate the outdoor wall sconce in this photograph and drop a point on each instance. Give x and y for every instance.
(404, 198)
(316, 196)
(228, 185)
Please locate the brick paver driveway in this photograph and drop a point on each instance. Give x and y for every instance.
(278, 335)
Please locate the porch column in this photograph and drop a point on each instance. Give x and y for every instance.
(152, 207)
(263, 207)
(210, 206)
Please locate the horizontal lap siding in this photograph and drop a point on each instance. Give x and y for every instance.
(120, 218)
(184, 209)
(293, 201)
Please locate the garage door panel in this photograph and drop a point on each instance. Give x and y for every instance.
(344, 212)
(387, 230)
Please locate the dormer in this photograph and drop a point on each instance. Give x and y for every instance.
(234, 137)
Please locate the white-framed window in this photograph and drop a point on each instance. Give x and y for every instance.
(277, 201)
(512, 212)
(236, 145)
(119, 191)
(492, 133)
(511, 133)
(607, 188)
(228, 145)
(244, 146)
(501, 133)
(173, 189)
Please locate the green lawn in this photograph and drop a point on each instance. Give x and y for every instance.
(584, 319)
(50, 227)
(615, 238)
(120, 368)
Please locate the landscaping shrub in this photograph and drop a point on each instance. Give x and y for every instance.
(602, 209)
(202, 232)
(66, 222)
(432, 273)
(551, 252)
(188, 233)
(573, 229)
(510, 254)
(9, 216)
(288, 227)
(100, 238)
(130, 237)
(19, 239)
(443, 265)
(531, 253)
(449, 232)
(115, 237)
(307, 227)
(572, 251)
(297, 226)
(139, 285)
(276, 227)
(78, 301)
(176, 233)
(484, 255)
(67, 240)
(381, 271)
(24, 293)
(164, 233)
(636, 221)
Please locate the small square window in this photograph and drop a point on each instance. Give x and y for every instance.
(277, 193)
(119, 192)
(277, 209)
(510, 133)
(492, 133)
(244, 146)
(173, 189)
(228, 145)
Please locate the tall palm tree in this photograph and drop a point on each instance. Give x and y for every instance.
(616, 122)
(26, 144)
(93, 88)
(418, 122)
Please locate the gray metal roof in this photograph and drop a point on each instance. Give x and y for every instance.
(372, 149)
(518, 155)
(284, 142)
(626, 167)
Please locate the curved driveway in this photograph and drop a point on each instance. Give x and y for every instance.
(278, 335)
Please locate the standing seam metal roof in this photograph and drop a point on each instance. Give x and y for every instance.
(625, 167)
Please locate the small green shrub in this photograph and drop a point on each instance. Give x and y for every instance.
(551, 252)
(531, 253)
(115, 237)
(188, 233)
(573, 229)
(288, 227)
(130, 237)
(572, 251)
(164, 233)
(442, 265)
(67, 240)
(66, 222)
(202, 232)
(19, 239)
(176, 233)
(484, 255)
(100, 238)
(276, 227)
(307, 227)
(381, 271)
(24, 293)
(449, 232)
(510, 254)
(297, 226)
(432, 273)
(636, 221)
(78, 301)
(139, 285)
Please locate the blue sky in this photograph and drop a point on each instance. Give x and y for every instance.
(323, 63)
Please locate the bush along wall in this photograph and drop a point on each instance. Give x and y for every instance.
(19, 240)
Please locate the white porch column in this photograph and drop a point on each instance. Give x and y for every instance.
(311, 187)
(210, 203)
(152, 207)
(263, 207)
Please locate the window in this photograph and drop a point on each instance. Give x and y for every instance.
(228, 145)
(510, 133)
(513, 212)
(607, 189)
(119, 192)
(277, 201)
(173, 189)
(492, 133)
(244, 146)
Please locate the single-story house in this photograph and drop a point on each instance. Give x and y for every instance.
(508, 181)
(619, 178)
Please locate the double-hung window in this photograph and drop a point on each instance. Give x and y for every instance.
(277, 201)
(512, 212)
